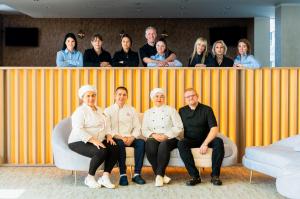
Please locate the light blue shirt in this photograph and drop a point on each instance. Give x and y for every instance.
(65, 58)
(162, 58)
(247, 61)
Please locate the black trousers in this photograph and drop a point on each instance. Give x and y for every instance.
(158, 154)
(184, 147)
(109, 154)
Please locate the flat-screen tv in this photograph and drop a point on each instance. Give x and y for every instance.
(230, 35)
(15, 36)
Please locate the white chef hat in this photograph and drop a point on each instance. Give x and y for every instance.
(83, 89)
(155, 91)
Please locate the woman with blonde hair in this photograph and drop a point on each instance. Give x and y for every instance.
(200, 56)
(219, 51)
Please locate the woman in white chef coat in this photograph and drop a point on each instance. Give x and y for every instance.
(162, 126)
(90, 137)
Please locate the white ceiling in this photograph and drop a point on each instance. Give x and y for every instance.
(145, 8)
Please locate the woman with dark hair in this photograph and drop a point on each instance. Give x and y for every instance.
(125, 57)
(244, 58)
(97, 56)
(200, 56)
(162, 51)
(69, 55)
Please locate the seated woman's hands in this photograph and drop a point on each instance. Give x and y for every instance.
(200, 65)
(159, 137)
(96, 142)
(110, 140)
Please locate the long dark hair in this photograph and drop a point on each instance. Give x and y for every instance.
(66, 37)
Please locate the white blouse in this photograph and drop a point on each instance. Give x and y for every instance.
(124, 121)
(162, 120)
(87, 123)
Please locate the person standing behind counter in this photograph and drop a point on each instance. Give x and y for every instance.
(96, 56)
(126, 57)
(69, 56)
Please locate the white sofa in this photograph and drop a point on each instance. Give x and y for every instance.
(64, 158)
(280, 160)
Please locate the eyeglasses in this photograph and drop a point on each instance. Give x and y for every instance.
(189, 96)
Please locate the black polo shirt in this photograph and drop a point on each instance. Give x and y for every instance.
(226, 62)
(91, 58)
(121, 58)
(197, 123)
(147, 51)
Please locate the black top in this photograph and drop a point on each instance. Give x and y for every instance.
(226, 62)
(121, 58)
(91, 58)
(197, 60)
(147, 51)
(197, 123)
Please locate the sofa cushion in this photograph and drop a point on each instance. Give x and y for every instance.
(275, 155)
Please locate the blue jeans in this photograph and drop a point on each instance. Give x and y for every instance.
(139, 152)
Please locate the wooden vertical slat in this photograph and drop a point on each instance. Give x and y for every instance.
(129, 81)
(206, 87)
(267, 107)
(215, 94)
(249, 107)
(69, 94)
(34, 117)
(25, 116)
(42, 132)
(284, 105)
(180, 87)
(2, 119)
(137, 90)
(8, 115)
(293, 104)
(51, 113)
(223, 101)
(145, 88)
(275, 105)
(172, 89)
(258, 123)
(232, 105)
(16, 116)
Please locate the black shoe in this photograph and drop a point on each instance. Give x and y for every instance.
(216, 180)
(123, 181)
(193, 181)
(138, 179)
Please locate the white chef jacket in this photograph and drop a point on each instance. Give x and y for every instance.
(162, 120)
(87, 123)
(124, 120)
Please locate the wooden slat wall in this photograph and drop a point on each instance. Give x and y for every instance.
(252, 107)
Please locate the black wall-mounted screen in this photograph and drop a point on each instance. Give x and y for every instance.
(21, 36)
(230, 35)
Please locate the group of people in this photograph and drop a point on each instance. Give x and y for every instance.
(155, 53)
(103, 134)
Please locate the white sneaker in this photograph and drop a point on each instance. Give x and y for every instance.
(105, 181)
(91, 182)
(166, 179)
(159, 182)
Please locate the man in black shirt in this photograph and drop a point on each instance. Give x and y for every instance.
(96, 56)
(149, 49)
(200, 130)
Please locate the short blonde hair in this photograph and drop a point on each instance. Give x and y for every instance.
(190, 89)
(219, 42)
